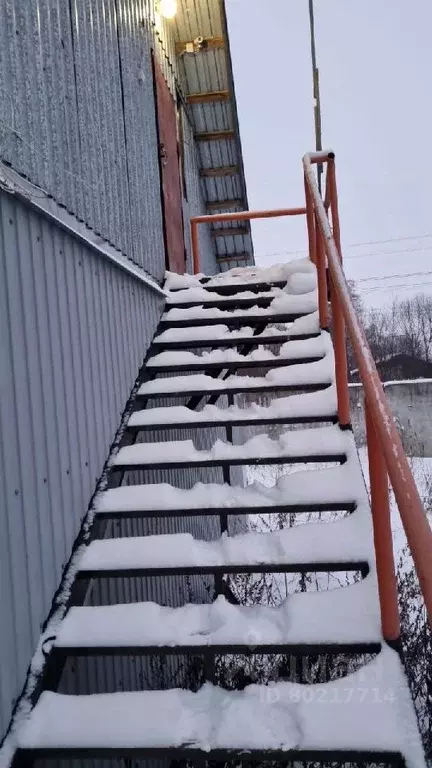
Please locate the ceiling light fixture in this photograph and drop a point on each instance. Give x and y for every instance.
(168, 8)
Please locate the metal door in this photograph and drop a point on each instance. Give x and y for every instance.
(170, 173)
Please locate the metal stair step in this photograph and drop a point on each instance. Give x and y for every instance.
(226, 302)
(226, 342)
(227, 289)
(345, 618)
(336, 488)
(217, 335)
(310, 407)
(232, 321)
(294, 378)
(328, 546)
(291, 353)
(285, 309)
(364, 715)
(322, 444)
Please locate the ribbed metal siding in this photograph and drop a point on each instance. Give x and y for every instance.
(74, 330)
(77, 112)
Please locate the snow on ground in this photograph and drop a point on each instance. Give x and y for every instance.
(422, 470)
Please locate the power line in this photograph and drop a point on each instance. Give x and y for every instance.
(358, 245)
(391, 277)
(389, 240)
(395, 287)
(387, 253)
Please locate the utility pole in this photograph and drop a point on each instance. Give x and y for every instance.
(316, 89)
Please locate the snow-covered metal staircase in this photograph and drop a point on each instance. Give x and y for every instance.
(366, 716)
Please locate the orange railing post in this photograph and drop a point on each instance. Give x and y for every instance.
(387, 585)
(320, 258)
(310, 220)
(333, 201)
(386, 453)
(195, 246)
(341, 361)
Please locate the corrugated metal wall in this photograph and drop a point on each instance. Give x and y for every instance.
(74, 329)
(77, 118)
(77, 113)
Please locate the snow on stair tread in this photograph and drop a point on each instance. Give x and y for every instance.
(340, 484)
(345, 615)
(370, 710)
(306, 374)
(291, 350)
(298, 284)
(200, 295)
(346, 540)
(322, 441)
(239, 276)
(303, 325)
(308, 404)
(282, 305)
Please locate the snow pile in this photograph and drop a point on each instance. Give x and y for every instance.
(283, 304)
(320, 373)
(341, 484)
(350, 614)
(291, 350)
(323, 441)
(319, 404)
(370, 710)
(243, 275)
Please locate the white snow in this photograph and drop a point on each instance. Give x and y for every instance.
(291, 350)
(297, 284)
(345, 615)
(282, 304)
(325, 441)
(370, 710)
(319, 372)
(302, 325)
(200, 295)
(347, 539)
(319, 404)
(340, 484)
(240, 276)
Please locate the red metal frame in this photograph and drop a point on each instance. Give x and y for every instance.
(387, 460)
(236, 216)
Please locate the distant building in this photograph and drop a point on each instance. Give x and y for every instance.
(397, 367)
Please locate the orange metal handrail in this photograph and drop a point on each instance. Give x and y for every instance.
(386, 455)
(236, 216)
(387, 458)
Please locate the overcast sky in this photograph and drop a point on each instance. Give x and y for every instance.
(375, 62)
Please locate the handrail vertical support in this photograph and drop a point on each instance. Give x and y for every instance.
(334, 205)
(341, 362)
(195, 247)
(310, 219)
(322, 279)
(387, 584)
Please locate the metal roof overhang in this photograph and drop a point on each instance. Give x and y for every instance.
(204, 59)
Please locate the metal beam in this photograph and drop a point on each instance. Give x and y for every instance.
(230, 231)
(207, 97)
(212, 173)
(215, 135)
(192, 46)
(233, 257)
(224, 205)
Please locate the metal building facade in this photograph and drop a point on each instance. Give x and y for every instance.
(80, 200)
